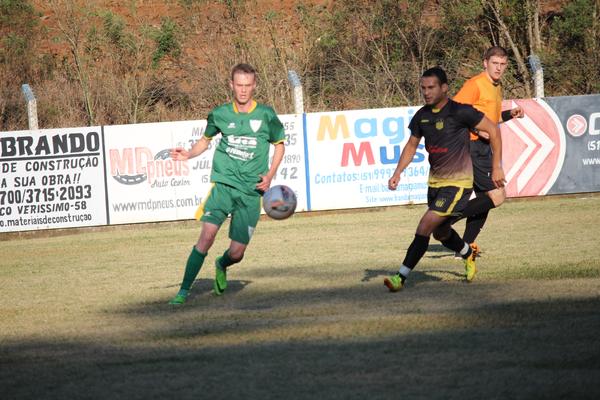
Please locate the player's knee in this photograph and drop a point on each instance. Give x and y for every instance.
(421, 231)
(441, 235)
(203, 245)
(498, 196)
(236, 255)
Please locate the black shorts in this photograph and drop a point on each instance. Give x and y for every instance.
(481, 154)
(448, 200)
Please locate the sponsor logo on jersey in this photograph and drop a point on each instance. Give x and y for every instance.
(242, 141)
(231, 125)
(239, 154)
(436, 149)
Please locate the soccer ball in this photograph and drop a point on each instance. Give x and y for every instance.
(279, 202)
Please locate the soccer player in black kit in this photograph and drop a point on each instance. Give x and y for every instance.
(445, 125)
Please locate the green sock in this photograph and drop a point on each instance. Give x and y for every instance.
(225, 260)
(192, 267)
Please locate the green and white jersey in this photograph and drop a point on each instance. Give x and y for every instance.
(242, 156)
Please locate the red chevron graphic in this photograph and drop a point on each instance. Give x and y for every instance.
(533, 148)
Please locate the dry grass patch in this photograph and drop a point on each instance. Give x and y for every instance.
(306, 314)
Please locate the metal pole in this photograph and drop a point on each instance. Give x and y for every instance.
(538, 74)
(31, 106)
(296, 92)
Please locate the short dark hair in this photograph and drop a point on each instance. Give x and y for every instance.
(243, 68)
(437, 72)
(496, 51)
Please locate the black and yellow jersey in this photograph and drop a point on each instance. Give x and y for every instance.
(446, 133)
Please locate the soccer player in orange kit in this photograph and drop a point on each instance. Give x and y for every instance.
(484, 92)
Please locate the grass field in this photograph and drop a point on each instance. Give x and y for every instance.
(306, 315)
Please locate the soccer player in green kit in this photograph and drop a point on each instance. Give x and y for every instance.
(240, 174)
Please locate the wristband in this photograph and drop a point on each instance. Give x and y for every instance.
(506, 115)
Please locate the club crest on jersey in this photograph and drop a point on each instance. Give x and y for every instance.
(255, 124)
(439, 124)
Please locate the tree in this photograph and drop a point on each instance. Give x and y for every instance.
(573, 57)
(18, 61)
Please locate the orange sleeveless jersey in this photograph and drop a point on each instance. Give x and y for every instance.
(481, 93)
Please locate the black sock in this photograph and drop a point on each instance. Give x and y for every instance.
(479, 205)
(473, 226)
(226, 260)
(455, 243)
(415, 251)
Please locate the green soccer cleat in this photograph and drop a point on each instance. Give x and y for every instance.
(470, 268)
(220, 283)
(178, 299)
(394, 283)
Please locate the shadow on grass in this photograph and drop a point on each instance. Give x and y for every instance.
(416, 276)
(438, 248)
(517, 350)
(201, 287)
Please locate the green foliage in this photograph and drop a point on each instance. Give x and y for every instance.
(190, 3)
(167, 41)
(460, 19)
(116, 34)
(14, 45)
(270, 16)
(572, 28)
(18, 21)
(114, 27)
(575, 37)
(358, 54)
(17, 14)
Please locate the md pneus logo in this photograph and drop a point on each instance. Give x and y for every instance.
(133, 166)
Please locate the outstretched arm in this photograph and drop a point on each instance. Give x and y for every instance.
(408, 153)
(181, 154)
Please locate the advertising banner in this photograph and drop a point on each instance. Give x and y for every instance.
(533, 148)
(144, 184)
(51, 179)
(580, 118)
(352, 155)
(555, 148)
(292, 170)
(75, 177)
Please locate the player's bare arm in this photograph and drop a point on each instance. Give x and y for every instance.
(278, 154)
(408, 153)
(496, 144)
(181, 154)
